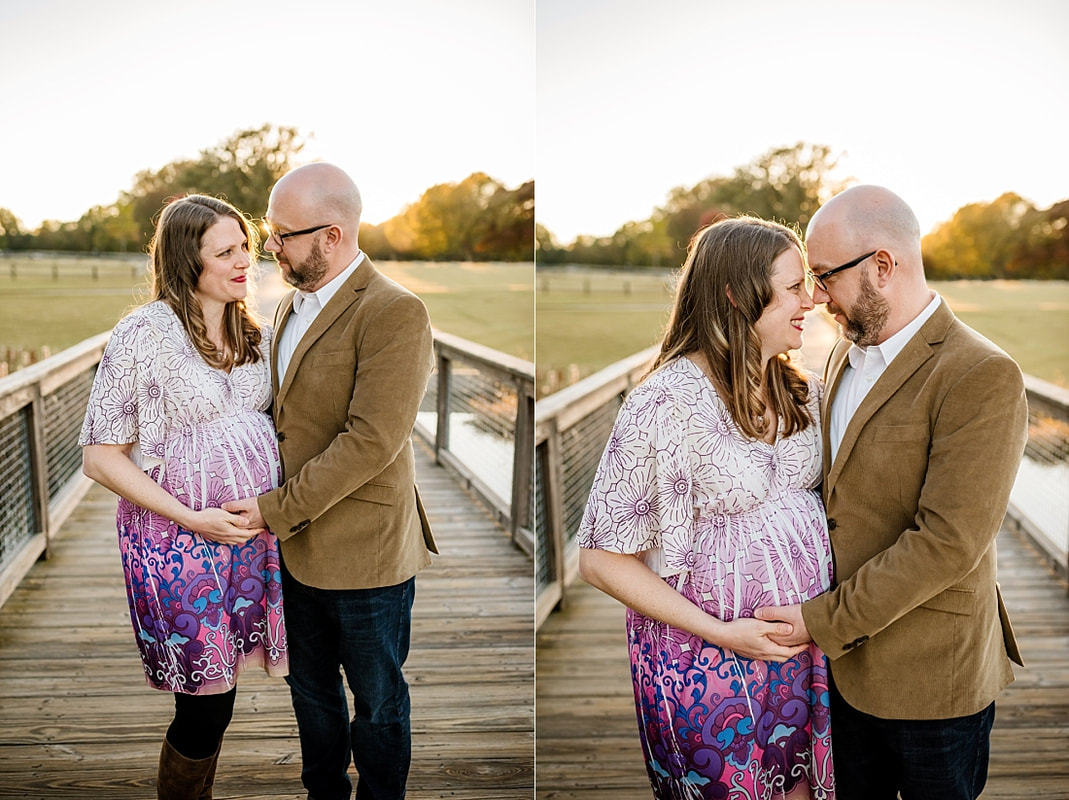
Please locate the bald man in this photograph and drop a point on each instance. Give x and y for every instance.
(351, 355)
(924, 425)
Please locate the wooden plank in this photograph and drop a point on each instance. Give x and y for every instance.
(588, 747)
(79, 721)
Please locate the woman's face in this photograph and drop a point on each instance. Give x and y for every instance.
(224, 252)
(780, 325)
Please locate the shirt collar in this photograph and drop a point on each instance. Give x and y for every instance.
(321, 296)
(890, 348)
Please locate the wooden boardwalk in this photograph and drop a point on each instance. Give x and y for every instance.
(588, 743)
(77, 720)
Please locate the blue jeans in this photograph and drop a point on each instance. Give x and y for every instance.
(365, 633)
(937, 759)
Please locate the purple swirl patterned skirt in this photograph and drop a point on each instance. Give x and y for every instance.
(716, 726)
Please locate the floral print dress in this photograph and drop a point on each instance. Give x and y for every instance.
(202, 612)
(732, 524)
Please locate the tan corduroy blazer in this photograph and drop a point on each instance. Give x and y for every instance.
(348, 513)
(914, 626)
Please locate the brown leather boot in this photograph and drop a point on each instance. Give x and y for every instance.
(181, 778)
(209, 778)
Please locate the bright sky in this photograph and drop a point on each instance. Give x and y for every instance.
(403, 94)
(945, 103)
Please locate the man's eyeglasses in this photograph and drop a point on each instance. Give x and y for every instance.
(825, 275)
(280, 238)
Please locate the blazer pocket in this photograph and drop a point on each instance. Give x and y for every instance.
(382, 493)
(953, 601)
(333, 359)
(901, 433)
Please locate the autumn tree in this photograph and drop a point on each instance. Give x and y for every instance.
(10, 229)
(242, 169)
(979, 240)
(786, 184)
(477, 219)
(1043, 247)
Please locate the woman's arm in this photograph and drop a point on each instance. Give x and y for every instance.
(627, 578)
(111, 467)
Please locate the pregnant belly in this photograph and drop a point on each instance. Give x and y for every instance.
(779, 555)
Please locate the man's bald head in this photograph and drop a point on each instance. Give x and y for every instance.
(885, 289)
(868, 216)
(324, 192)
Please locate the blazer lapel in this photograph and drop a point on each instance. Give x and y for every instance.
(282, 315)
(917, 350)
(346, 295)
(833, 373)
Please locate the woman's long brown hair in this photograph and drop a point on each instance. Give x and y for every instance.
(724, 287)
(176, 268)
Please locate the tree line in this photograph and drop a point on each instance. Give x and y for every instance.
(477, 219)
(1008, 238)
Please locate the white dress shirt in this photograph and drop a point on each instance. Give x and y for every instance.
(306, 307)
(866, 366)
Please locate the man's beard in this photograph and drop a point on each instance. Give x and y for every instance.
(868, 316)
(307, 274)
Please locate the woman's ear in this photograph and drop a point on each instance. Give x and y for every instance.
(727, 291)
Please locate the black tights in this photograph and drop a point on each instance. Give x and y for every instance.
(200, 720)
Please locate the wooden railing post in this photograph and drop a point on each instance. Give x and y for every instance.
(39, 467)
(522, 466)
(553, 595)
(441, 433)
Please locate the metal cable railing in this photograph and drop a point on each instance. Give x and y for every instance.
(1039, 503)
(41, 411)
(64, 411)
(478, 415)
(18, 516)
(571, 429)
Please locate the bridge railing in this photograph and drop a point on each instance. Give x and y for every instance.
(41, 481)
(479, 420)
(478, 414)
(571, 429)
(573, 425)
(1039, 504)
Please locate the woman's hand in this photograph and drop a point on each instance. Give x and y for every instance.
(222, 527)
(752, 638)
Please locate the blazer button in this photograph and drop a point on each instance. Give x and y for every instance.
(832, 524)
(856, 643)
(281, 436)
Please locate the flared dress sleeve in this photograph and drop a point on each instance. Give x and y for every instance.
(642, 498)
(127, 399)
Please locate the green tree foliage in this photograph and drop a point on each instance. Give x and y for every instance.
(477, 219)
(1043, 248)
(242, 169)
(10, 229)
(980, 240)
(787, 184)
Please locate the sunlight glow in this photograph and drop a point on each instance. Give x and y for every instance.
(395, 93)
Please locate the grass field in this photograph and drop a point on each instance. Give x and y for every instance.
(587, 319)
(54, 303)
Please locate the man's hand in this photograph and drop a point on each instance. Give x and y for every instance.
(222, 527)
(248, 508)
(791, 615)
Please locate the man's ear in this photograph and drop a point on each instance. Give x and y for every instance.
(886, 266)
(333, 239)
